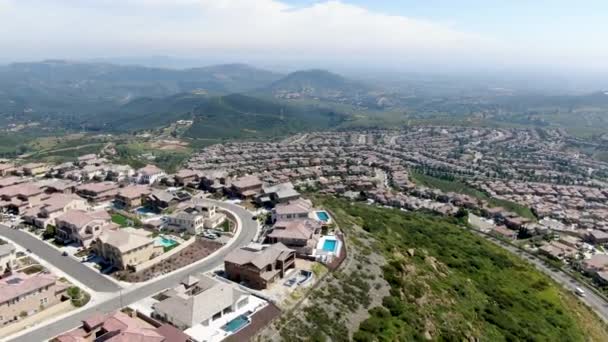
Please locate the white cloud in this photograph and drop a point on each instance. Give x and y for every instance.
(325, 30)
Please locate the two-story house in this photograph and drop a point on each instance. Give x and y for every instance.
(195, 218)
(22, 295)
(259, 268)
(82, 227)
(126, 247)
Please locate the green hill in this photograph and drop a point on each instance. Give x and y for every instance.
(318, 83)
(239, 116)
(446, 284)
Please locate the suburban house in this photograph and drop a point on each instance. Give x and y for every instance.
(246, 187)
(22, 295)
(187, 177)
(195, 218)
(121, 327)
(280, 193)
(160, 200)
(11, 180)
(35, 169)
(97, 192)
(82, 227)
(45, 212)
(16, 197)
(198, 300)
(504, 232)
(259, 268)
(6, 168)
(132, 196)
(126, 247)
(148, 174)
(213, 180)
(7, 257)
(596, 236)
(595, 264)
(294, 210)
(59, 186)
(299, 235)
(119, 173)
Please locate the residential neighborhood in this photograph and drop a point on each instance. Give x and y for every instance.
(218, 248)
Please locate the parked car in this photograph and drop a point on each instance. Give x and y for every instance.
(209, 235)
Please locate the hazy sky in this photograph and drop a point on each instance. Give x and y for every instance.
(503, 34)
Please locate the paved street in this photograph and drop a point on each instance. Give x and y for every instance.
(87, 276)
(126, 296)
(598, 304)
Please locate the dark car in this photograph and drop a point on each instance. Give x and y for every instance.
(64, 253)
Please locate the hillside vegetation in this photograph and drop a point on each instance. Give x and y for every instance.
(449, 284)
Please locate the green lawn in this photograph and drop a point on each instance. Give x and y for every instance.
(454, 285)
(462, 188)
(120, 220)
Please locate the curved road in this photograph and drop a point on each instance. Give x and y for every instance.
(89, 277)
(128, 296)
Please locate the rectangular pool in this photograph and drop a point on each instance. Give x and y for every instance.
(236, 324)
(329, 245)
(323, 216)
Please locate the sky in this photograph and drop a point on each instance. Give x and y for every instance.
(561, 35)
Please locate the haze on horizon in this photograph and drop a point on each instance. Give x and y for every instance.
(431, 35)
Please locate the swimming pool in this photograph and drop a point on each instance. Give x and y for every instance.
(323, 216)
(236, 324)
(329, 245)
(165, 241)
(144, 211)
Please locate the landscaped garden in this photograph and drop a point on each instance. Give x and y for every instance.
(196, 251)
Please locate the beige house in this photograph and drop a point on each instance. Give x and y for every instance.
(82, 227)
(48, 209)
(132, 196)
(195, 218)
(259, 268)
(126, 247)
(199, 299)
(298, 209)
(35, 169)
(98, 192)
(22, 295)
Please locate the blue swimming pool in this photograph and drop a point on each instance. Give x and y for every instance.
(144, 211)
(165, 242)
(323, 216)
(329, 245)
(236, 324)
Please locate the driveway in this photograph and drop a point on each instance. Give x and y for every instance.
(128, 296)
(87, 276)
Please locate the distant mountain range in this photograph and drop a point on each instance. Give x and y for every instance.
(248, 101)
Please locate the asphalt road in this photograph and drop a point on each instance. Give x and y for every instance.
(87, 276)
(126, 297)
(597, 303)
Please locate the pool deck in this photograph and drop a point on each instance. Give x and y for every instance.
(215, 333)
(313, 215)
(319, 249)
